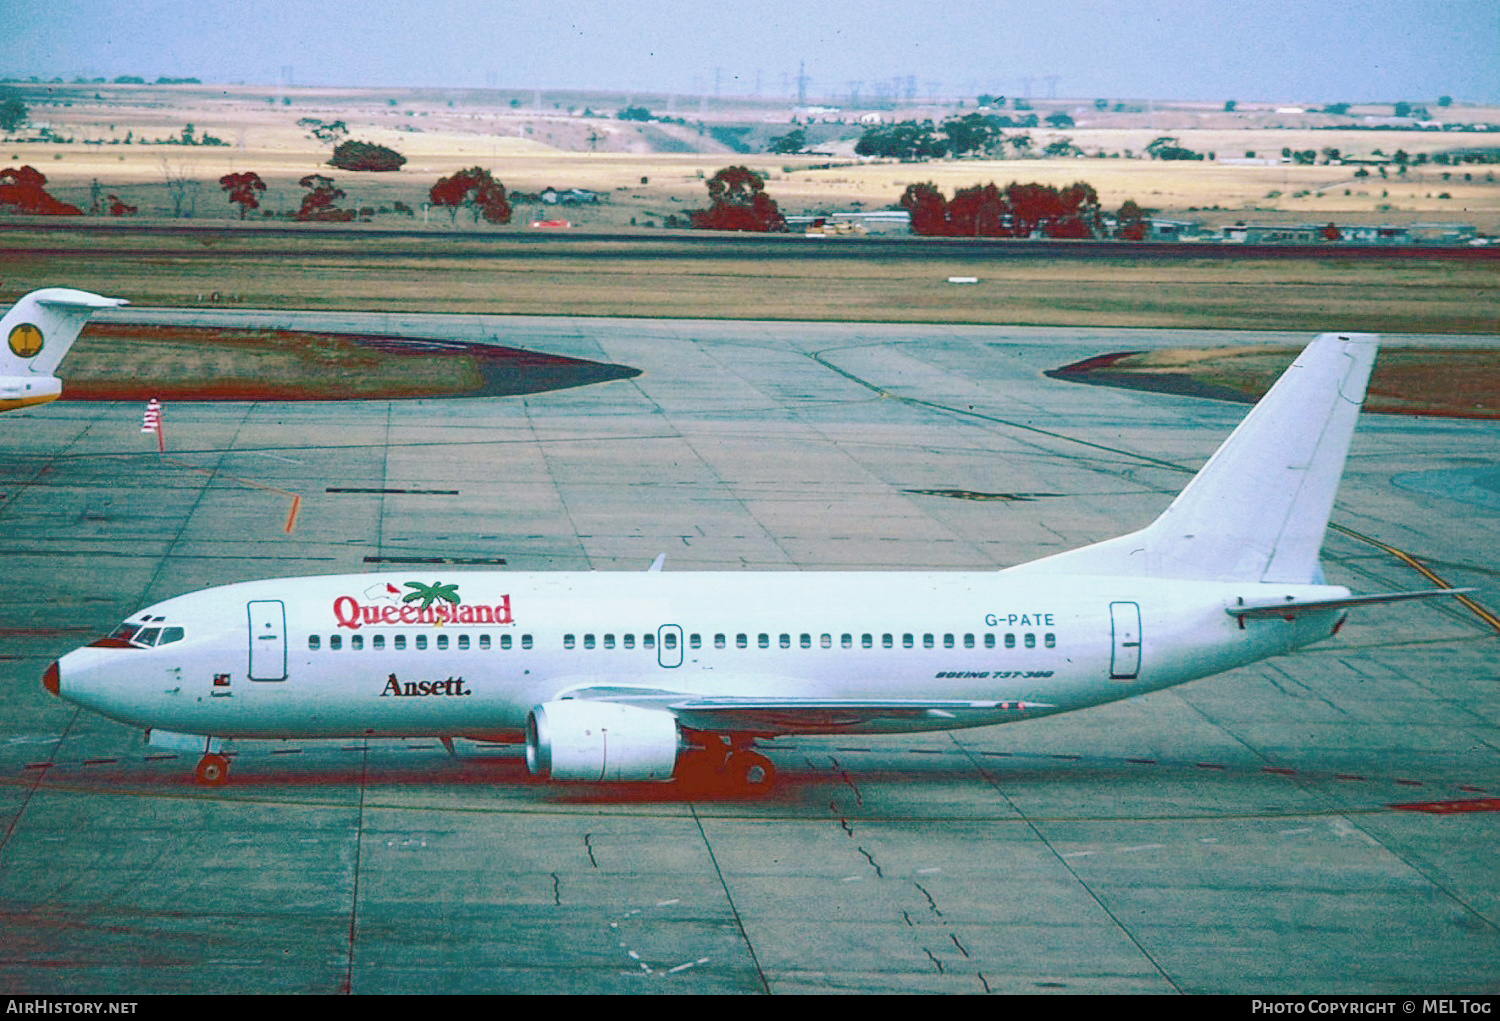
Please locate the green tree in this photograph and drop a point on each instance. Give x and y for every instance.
(13, 113)
(791, 142)
(971, 133)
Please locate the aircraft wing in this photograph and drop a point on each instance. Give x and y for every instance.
(791, 715)
(1292, 608)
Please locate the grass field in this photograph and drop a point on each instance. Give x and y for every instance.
(337, 269)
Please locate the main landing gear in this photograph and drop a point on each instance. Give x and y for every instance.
(725, 766)
(212, 771)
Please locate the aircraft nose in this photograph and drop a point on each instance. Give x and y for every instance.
(52, 678)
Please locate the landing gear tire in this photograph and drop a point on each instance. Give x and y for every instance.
(212, 771)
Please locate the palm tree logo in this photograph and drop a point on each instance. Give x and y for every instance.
(429, 594)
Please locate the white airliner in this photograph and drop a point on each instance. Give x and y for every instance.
(655, 675)
(38, 331)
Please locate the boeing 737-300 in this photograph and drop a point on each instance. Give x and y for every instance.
(38, 331)
(655, 675)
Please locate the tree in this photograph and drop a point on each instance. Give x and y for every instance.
(13, 113)
(1229, 105)
(366, 156)
(318, 204)
(1060, 120)
(1445, 101)
(634, 113)
(792, 142)
(907, 140)
(242, 189)
(972, 133)
(476, 189)
(1131, 222)
(1403, 109)
(330, 133)
(1166, 148)
(1019, 211)
(22, 191)
(739, 202)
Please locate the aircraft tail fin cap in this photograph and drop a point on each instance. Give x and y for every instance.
(41, 327)
(1258, 509)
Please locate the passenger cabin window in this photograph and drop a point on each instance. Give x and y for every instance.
(314, 642)
(377, 642)
(399, 643)
(335, 641)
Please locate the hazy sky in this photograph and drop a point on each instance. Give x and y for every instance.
(1279, 50)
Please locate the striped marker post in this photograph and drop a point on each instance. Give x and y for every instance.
(151, 422)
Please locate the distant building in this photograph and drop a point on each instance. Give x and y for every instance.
(1347, 234)
(1170, 230)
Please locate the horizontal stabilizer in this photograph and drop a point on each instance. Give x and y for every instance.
(1294, 607)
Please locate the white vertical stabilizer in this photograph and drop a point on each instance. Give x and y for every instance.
(40, 328)
(1258, 509)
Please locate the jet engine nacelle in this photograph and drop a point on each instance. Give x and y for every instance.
(580, 739)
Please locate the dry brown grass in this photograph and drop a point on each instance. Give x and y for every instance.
(434, 273)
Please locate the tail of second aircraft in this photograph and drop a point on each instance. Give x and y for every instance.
(1258, 509)
(40, 328)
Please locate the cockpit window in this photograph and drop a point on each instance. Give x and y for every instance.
(137, 636)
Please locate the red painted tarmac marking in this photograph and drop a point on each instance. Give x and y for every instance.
(1450, 807)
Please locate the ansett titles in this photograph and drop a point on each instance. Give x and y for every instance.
(416, 689)
(353, 614)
